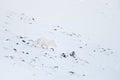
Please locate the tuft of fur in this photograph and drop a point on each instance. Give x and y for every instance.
(44, 43)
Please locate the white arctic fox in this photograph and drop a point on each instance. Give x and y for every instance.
(44, 43)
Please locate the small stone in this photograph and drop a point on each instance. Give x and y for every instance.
(23, 41)
(11, 57)
(7, 40)
(21, 37)
(17, 43)
(83, 75)
(15, 50)
(30, 23)
(27, 53)
(27, 43)
(63, 54)
(23, 60)
(23, 52)
(33, 19)
(71, 72)
(94, 50)
(55, 66)
(55, 29)
(36, 57)
(81, 47)
(73, 54)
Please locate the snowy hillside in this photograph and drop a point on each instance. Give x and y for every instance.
(30, 50)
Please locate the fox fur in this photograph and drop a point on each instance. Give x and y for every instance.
(44, 43)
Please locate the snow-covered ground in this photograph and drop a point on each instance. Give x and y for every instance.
(59, 40)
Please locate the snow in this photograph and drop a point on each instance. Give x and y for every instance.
(76, 56)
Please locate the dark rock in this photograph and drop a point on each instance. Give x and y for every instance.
(7, 40)
(63, 55)
(23, 41)
(27, 53)
(73, 54)
(33, 19)
(23, 52)
(83, 75)
(15, 50)
(81, 47)
(21, 37)
(71, 72)
(56, 66)
(17, 43)
(23, 60)
(94, 50)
